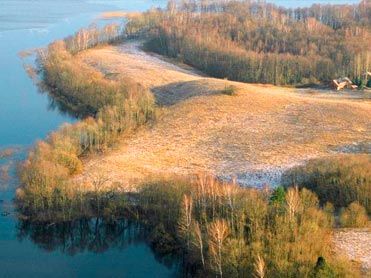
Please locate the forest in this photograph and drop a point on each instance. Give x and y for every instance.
(258, 42)
(225, 230)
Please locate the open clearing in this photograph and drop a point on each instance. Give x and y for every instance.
(253, 135)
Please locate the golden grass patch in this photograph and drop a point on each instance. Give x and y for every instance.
(118, 14)
(261, 129)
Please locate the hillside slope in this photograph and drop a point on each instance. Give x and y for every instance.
(253, 135)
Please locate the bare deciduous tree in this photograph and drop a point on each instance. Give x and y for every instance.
(218, 232)
(293, 201)
(185, 222)
(198, 241)
(98, 180)
(259, 267)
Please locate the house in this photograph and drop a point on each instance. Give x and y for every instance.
(343, 83)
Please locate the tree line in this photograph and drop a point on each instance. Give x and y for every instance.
(108, 109)
(258, 42)
(224, 230)
(93, 36)
(340, 180)
(218, 229)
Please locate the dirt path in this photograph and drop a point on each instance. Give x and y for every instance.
(253, 135)
(129, 60)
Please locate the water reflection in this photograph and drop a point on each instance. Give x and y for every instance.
(55, 101)
(92, 235)
(95, 235)
(57, 104)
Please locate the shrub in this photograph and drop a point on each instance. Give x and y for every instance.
(278, 195)
(329, 209)
(322, 270)
(354, 216)
(229, 90)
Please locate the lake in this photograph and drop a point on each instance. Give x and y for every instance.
(103, 249)
(88, 248)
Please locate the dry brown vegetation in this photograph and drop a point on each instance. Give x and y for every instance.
(225, 230)
(254, 135)
(109, 108)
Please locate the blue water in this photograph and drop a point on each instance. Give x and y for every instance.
(27, 115)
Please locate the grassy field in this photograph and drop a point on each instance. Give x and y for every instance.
(254, 134)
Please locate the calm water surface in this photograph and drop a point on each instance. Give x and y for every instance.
(89, 248)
